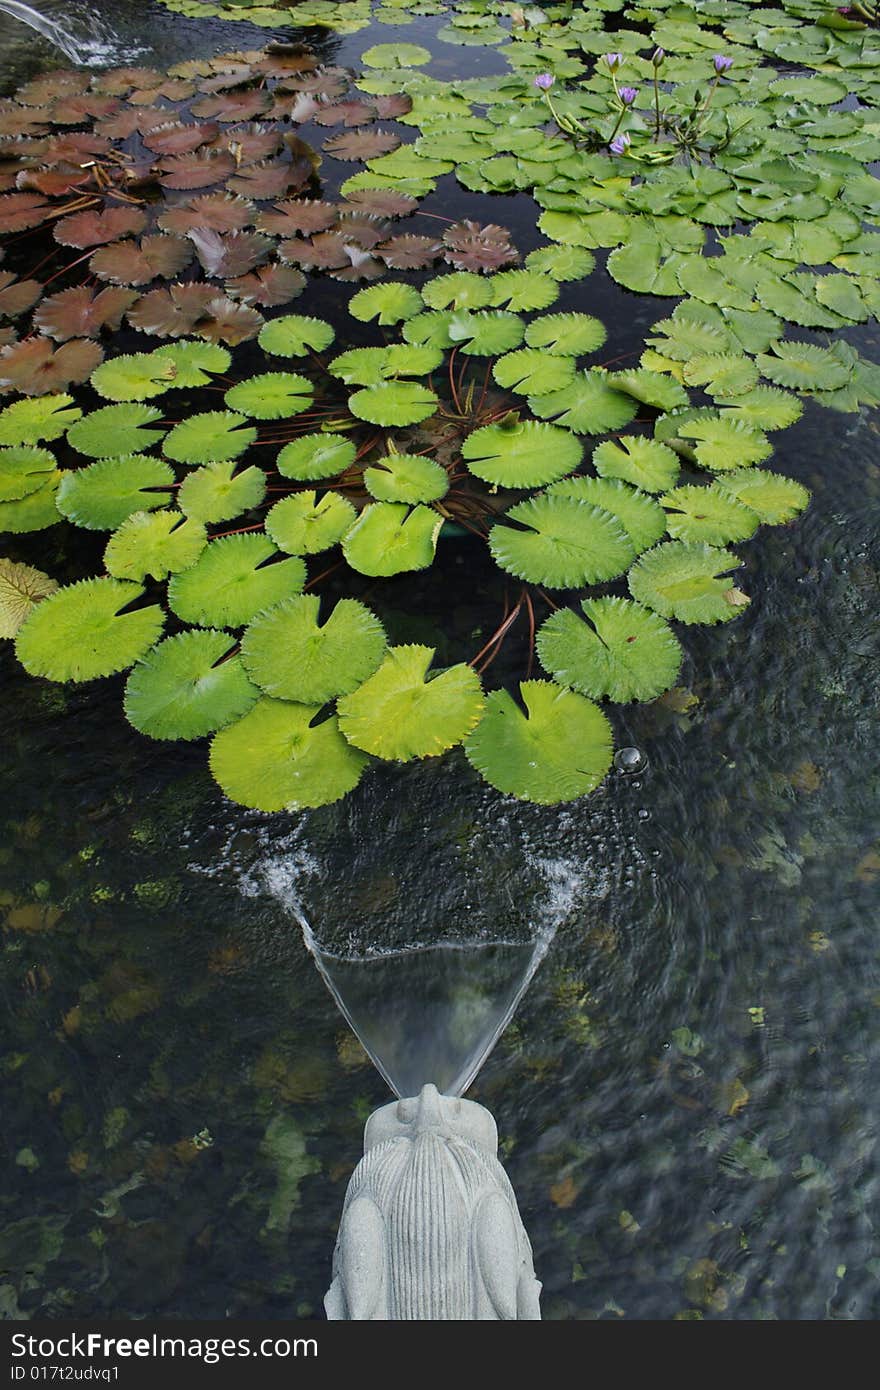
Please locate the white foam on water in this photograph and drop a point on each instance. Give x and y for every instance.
(79, 34)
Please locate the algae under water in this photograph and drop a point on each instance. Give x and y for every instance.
(686, 1095)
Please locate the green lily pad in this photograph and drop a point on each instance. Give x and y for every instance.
(588, 405)
(396, 55)
(558, 750)
(460, 289)
(188, 686)
(37, 418)
(102, 495)
(212, 437)
(803, 367)
(532, 372)
(34, 512)
(277, 758)
(406, 478)
(114, 431)
(390, 538)
(234, 578)
(562, 262)
(687, 582)
(400, 713)
(272, 396)
(83, 631)
(521, 453)
(315, 456)
(393, 403)
(154, 543)
(570, 335)
(622, 652)
(216, 493)
(725, 444)
(641, 517)
(523, 290)
(775, 498)
(645, 463)
(194, 363)
(390, 302)
(292, 335)
(484, 332)
(707, 514)
(133, 378)
(561, 543)
(722, 374)
(293, 657)
(305, 524)
(23, 469)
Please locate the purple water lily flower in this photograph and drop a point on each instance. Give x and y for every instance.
(628, 95)
(545, 81)
(614, 60)
(620, 144)
(721, 63)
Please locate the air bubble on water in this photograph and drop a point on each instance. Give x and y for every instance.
(630, 761)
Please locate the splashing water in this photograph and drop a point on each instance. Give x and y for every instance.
(78, 33)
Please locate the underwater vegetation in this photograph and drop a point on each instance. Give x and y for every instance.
(255, 471)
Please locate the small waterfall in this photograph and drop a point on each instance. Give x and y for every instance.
(78, 33)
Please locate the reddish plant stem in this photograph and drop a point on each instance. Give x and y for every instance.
(531, 612)
(497, 637)
(240, 532)
(323, 575)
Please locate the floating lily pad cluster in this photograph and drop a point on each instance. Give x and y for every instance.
(255, 449)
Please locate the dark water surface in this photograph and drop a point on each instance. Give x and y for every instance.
(687, 1097)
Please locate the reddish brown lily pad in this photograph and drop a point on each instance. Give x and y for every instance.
(270, 178)
(51, 85)
(382, 202)
(470, 246)
(361, 144)
(19, 211)
(363, 230)
(137, 263)
(221, 212)
(197, 169)
(80, 313)
(34, 368)
(270, 285)
(348, 113)
(410, 252)
(54, 183)
(394, 105)
(95, 227)
(251, 143)
(16, 121)
(298, 216)
(16, 296)
(226, 255)
(195, 309)
(175, 138)
(76, 147)
(234, 106)
(171, 312)
(325, 251)
(83, 106)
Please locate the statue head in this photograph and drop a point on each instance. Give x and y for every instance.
(429, 1112)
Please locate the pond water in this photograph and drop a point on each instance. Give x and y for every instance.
(686, 1096)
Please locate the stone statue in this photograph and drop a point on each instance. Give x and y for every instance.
(430, 1228)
